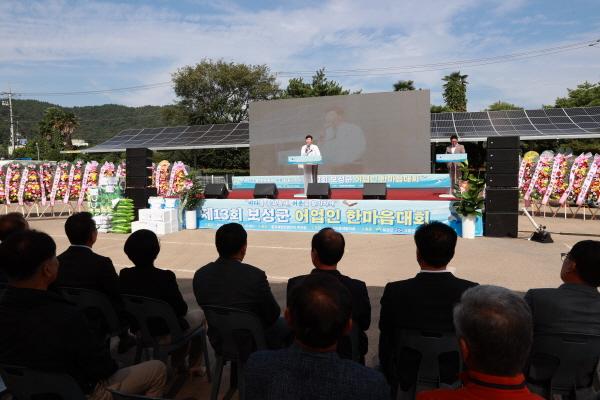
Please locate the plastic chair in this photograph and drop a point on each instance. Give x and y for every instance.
(430, 345)
(25, 384)
(116, 395)
(91, 300)
(145, 309)
(239, 333)
(564, 364)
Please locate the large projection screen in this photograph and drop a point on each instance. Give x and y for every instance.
(375, 133)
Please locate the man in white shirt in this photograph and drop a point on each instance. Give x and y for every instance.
(310, 170)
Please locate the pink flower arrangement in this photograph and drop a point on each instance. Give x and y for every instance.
(33, 190)
(75, 187)
(63, 180)
(593, 197)
(47, 179)
(179, 181)
(578, 173)
(561, 178)
(2, 187)
(14, 183)
(528, 165)
(542, 176)
(162, 178)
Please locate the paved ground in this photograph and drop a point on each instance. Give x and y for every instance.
(518, 264)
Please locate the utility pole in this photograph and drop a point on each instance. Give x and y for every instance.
(13, 143)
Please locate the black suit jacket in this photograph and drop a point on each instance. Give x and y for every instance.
(571, 308)
(80, 267)
(425, 302)
(230, 283)
(361, 305)
(43, 331)
(156, 283)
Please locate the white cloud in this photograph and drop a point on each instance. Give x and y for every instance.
(151, 42)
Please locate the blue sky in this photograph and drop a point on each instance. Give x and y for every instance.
(63, 46)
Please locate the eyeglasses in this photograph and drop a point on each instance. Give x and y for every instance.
(563, 256)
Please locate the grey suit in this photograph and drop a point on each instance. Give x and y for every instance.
(571, 308)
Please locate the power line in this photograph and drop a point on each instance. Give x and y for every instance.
(365, 72)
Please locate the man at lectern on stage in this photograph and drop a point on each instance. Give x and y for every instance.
(310, 171)
(454, 167)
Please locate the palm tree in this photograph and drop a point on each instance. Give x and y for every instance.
(402, 86)
(64, 122)
(455, 91)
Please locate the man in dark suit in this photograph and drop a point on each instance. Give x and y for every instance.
(11, 223)
(424, 303)
(573, 307)
(80, 267)
(319, 312)
(453, 167)
(230, 283)
(327, 249)
(43, 331)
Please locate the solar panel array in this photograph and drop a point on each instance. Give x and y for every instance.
(550, 123)
(178, 137)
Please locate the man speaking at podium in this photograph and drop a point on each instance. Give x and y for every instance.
(310, 171)
(453, 167)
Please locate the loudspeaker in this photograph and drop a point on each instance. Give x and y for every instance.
(377, 191)
(501, 224)
(318, 191)
(138, 152)
(140, 196)
(215, 191)
(503, 142)
(137, 181)
(265, 191)
(502, 200)
(503, 167)
(139, 162)
(503, 155)
(501, 180)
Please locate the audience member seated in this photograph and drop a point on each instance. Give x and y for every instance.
(319, 313)
(424, 303)
(228, 282)
(41, 330)
(80, 267)
(327, 249)
(573, 307)
(11, 223)
(494, 330)
(144, 279)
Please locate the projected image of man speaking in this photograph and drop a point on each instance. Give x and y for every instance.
(343, 142)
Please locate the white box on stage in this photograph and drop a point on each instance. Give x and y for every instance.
(172, 202)
(162, 228)
(137, 225)
(156, 202)
(164, 215)
(145, 214)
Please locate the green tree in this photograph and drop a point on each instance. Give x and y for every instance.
(455, 91)
(320, 86)
(61, 123)
(402, 86)
(586, 95)
(502, 105)
(439, 109)
(217, 92)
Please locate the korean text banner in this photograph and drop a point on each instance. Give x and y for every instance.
(393, 181)
(359, 216)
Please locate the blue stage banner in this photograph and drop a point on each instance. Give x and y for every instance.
(393, 181)
(311, 215)
(457, 157)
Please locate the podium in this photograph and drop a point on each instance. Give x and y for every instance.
(452, 160)
(310, 165)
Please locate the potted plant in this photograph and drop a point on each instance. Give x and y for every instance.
(191, 200)
(470, 203)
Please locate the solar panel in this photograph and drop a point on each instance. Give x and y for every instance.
(578, 122)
